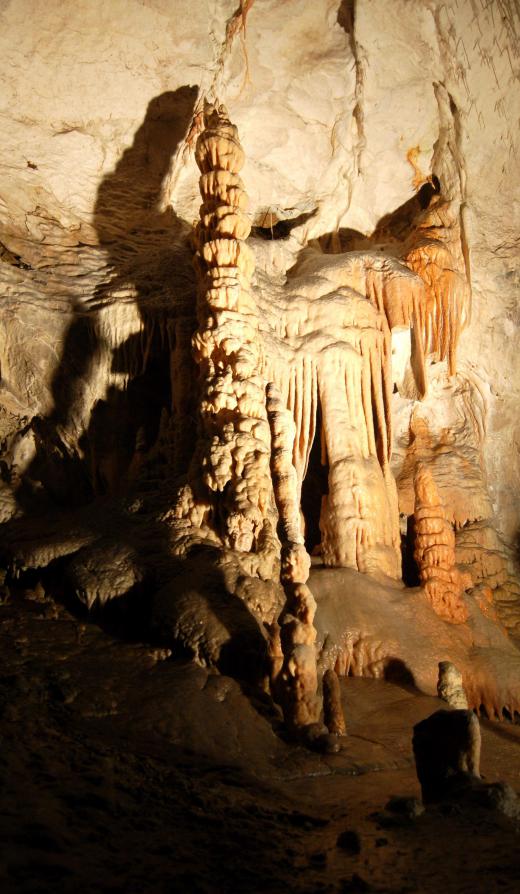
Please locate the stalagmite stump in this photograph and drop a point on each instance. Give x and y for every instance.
(446, 747)
(299, 675)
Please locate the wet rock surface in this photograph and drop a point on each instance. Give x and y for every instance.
(124, 769)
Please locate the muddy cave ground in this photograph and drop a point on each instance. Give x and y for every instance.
(127, 769)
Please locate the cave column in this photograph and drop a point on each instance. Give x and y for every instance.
(230, 472)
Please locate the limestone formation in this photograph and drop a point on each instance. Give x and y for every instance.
(449, 686)
(335, 343)
(297, 682)
(333, 716)
(232, 456)
(435, 552)
(435, 253)
(447, 753)
(137, 453)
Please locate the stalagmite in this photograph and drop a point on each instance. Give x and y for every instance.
(333, 716)
(232, 456)
(435, 551)
(447, 753)
(297, 683)
(449, 686)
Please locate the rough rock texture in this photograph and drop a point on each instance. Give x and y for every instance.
(450, 687)
(435, 552)
(296, 683)
(382, 172)
(446, 747)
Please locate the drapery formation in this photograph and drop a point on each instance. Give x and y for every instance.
(435, 252)
(334, 350)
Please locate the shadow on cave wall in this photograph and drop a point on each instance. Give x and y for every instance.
(137, 240)
(394, 227)
(142, 254)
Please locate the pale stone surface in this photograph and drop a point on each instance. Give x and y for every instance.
(327, 118)
(450, 687)
(344, 110)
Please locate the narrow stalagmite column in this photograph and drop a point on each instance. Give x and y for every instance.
(435, 551)
(333, 716)
(297, 683)
(449, 686)
(233, 449)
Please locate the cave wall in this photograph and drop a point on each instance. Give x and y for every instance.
(344, 110)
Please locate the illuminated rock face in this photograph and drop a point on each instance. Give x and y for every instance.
(328, 352)
(381, 169)
(435, 552)
(233, 446)
(296, 681)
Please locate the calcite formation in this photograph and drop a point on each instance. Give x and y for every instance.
(329, 351)
(232, 456)
(435, 252)
(447, 753)
(181, 436)
(296, 684)
(333, 716)
(449, 686)
(435, 552)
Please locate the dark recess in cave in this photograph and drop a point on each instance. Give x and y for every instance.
(314, 487)
(346, 15)
(410, 570)
(282, 228)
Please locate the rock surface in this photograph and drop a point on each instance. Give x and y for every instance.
(342, 108)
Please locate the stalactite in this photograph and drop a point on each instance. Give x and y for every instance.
(360, 512)
(434, 251)
(338, 357)
(299, 393)
(232, 456)
(435, 551)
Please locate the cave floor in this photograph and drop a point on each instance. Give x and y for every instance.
(124, 770)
